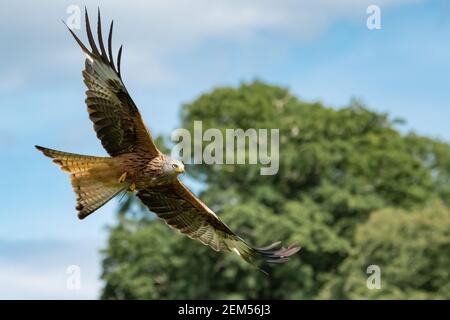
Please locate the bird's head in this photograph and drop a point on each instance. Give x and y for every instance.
(173, 167)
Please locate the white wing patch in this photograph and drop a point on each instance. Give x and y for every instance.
(88, 56)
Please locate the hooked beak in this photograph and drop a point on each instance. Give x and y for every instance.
(179, 170)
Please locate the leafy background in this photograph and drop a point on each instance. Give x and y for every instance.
(351, 190)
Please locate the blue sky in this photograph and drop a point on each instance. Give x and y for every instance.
(174, 51)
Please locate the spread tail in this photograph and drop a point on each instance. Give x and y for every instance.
(94, 179)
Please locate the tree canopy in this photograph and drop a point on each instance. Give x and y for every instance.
(351, 189)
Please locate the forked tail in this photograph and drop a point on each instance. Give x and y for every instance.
(94, 179)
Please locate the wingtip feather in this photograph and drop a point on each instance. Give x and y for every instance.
(274, 253)
(97, 53)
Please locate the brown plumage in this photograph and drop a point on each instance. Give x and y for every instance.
(136, 164)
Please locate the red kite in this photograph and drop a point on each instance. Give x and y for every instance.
(135, 163)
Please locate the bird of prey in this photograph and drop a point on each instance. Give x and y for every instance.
(135, 163)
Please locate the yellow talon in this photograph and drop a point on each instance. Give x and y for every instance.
(123, 177)
(133, 187)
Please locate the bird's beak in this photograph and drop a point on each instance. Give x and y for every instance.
(179, 170)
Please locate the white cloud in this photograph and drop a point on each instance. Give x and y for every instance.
(24, 282)
(11, 79)
(36, 269)
(154, 32)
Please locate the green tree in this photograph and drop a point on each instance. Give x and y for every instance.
(410, 248)
(337, 167)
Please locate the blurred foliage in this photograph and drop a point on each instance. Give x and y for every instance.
(412, 250)
(351, 190)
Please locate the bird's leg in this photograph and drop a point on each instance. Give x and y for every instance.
(123, 177)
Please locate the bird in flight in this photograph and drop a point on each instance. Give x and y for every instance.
(135, 163)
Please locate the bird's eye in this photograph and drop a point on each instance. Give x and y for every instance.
(174, 166)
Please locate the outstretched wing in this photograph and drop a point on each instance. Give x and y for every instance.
(116, 118)
(182, 210)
